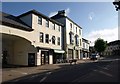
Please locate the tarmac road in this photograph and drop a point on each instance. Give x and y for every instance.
(105, 70)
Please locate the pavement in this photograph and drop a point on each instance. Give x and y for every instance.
(13, 73)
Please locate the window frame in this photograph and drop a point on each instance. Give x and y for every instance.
(59, 28)
(58, 40)
(53, 40)
(71, 38)
(71, 26)
(46, 39)
(40, 20)
(80, 31)
(47, 23)
(76, 29)
(77, 40)
(41, 40)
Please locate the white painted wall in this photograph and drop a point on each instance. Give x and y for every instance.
(42, 28)
(39, 57)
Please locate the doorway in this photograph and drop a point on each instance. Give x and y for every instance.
(31, 59)
(44, 57)
(4, 57)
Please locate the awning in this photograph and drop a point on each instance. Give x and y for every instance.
(59, 51)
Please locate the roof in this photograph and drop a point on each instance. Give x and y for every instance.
(13, 21)
(85, 40)
(117, 42)
(57, 16)
(39, 14)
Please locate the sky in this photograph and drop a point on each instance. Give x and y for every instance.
(97, 19)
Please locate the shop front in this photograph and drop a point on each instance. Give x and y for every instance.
(58, 56)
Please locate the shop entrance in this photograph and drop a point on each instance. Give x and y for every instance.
(44, 57)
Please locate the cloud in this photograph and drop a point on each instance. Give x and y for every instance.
(67, 11)
(52, 14)
(91, 15)
(106, 34)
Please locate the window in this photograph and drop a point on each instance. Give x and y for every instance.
(79, 31)
(70, 26)
(58, 40)
(59, 28)
(76, 29)
(40, 20)
(53, 40)
(54, 27)
(41, 37)
(83, 45)
(80, 42)
(86, 46)
(47, 23)
(77, 40)
(47, 38)
(71, 38)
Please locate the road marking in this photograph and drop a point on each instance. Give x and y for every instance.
(103, 72)
(33, 76)
(43, 79)
(102, 67)
(45, 76)
(49, 72)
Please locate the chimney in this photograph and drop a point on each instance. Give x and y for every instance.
(62, 12)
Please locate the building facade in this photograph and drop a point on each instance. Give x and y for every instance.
(30, 39)
(72, 36)
(85, 48)
(113, 48)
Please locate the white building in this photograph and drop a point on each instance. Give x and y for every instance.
(30, 39)
(85, 48)
(72, 36)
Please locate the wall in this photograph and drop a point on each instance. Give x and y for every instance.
(41, 28)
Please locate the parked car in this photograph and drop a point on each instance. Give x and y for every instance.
(97, 56)
(93, 57)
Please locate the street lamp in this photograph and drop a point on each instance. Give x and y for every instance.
(117, 4)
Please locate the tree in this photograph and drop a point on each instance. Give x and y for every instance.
(100, 45)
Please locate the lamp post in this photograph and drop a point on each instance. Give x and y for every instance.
(117, 4)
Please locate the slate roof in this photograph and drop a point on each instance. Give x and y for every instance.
(13, 21)
(40, 14)
(85, 40)
(57, 16)
(116, 42)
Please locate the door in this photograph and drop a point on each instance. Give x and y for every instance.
(31, 59)
(44, 57)
(4, 57)
(70, 53)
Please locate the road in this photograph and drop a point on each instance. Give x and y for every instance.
(105, 70)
